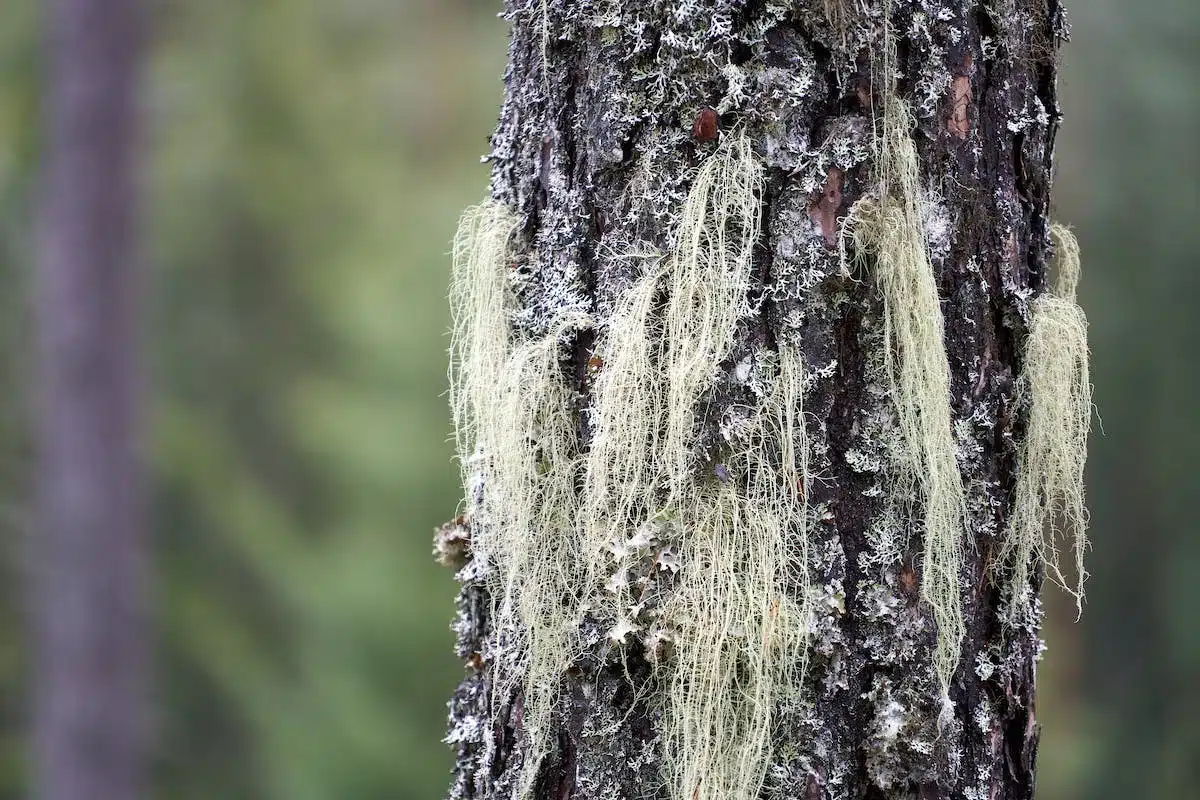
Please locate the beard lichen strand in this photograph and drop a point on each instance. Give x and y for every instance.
(780, 490)
(738, 612)
(519, 449)
(890, 228)
(480, 329)
(655, 370)
(842, 14)
(1056, 388)
(707, 290)
(740, 608)
(622, 467)
(531, 506)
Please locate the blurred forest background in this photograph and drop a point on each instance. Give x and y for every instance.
(305, 167)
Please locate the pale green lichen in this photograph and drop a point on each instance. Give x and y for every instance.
(480, 301)
(518, 444)
(707, 290)
(622, 469)
(530, 507)
(740, 630)
(736, 615)
(890, 229)
(1055, 387)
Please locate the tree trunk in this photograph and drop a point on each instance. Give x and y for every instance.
(87, 591)
(610, 109)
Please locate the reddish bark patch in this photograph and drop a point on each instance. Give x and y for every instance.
(705, 127)
(1011, 250)
(910, 582)
(823, 210)
(959, 122)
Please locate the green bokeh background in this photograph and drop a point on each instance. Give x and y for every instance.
(305, 164)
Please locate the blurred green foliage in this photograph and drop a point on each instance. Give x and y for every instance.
(305, 163)
(18, 138)
(309, 161)
(1128, 179)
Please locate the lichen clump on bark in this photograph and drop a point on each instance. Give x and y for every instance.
(707, 290)
(621, 468)
(556, 526)
(736, 623)
(479, 300)
(1056, 388)
(740, 624)
(520, 455)
(889, 227)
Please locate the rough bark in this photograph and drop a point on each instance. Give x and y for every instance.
(602, 127)
(88, 576)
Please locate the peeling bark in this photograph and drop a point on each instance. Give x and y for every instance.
(610, 107)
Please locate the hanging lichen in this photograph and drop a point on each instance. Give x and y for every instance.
(518, 443)
(1049, 504)
(740, 621)
(479, 307)
(735, 614)
(555, 523)
(889, 228)
(622, 466)
(531, 506)
(707, 289)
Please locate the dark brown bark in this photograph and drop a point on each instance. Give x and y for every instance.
(602, 97)
(87, 597)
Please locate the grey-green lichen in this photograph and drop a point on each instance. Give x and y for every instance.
(891, 228)
(1055, 385)
(737, 629)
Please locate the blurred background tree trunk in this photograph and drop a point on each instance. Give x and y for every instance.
(604, 122)
(88, 604)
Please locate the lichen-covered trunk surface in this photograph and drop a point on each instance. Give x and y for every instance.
(611, 107)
